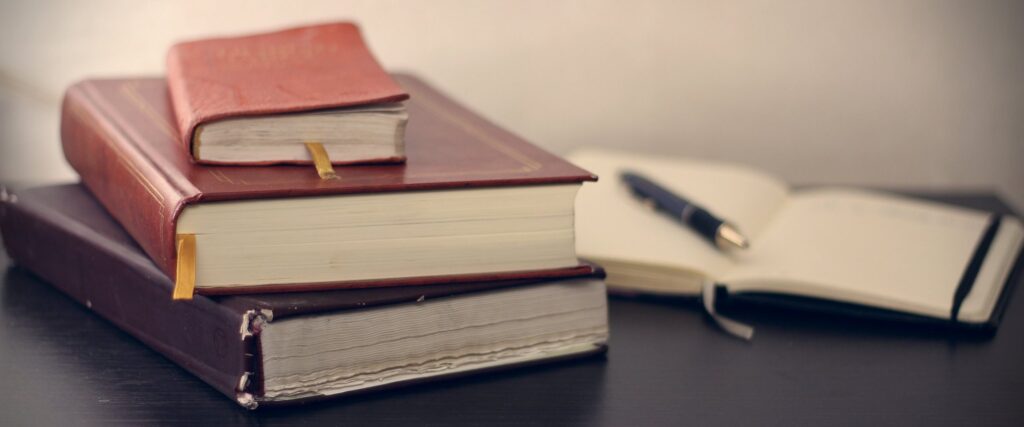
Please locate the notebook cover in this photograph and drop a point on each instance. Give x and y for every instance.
(963, 290)
(299, 69)
(734, 302)
(62, 235)
(120, 136)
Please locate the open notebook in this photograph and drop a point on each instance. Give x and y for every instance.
(830, 244)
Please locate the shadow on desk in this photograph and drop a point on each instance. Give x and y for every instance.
(62, 364)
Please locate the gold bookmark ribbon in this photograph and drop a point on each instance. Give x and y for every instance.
(185, 278)
(321, 161)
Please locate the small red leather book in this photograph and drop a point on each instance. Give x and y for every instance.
(258, 99)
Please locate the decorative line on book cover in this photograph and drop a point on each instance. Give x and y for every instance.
(427, 101)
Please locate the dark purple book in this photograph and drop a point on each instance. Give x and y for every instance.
(265, 349)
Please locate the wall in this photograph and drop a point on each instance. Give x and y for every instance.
(906, 94)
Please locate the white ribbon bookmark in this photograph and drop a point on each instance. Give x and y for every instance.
(734, 328)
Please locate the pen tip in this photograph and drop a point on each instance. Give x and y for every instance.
(728, 237)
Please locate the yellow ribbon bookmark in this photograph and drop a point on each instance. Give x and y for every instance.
(185, 279)
(321, 161)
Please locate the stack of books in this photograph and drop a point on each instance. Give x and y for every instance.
(323, 227)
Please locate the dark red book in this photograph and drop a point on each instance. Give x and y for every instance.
(257, 99)
(290, 347)
(473, 202)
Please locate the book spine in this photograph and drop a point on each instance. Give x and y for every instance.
(120, 176)
(184, 116)
(208, 339)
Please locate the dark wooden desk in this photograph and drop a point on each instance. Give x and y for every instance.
(60, 365)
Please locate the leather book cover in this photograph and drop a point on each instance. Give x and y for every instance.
(300, 69)
(120, 136)
(65, 237)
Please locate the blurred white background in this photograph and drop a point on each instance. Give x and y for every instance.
(901, 94)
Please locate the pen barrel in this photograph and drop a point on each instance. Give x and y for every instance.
(663, 199)
(705, 223)
(674, 206)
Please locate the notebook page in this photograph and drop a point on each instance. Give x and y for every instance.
(863, 247)
(612, 225)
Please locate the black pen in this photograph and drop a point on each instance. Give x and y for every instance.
(719, 232)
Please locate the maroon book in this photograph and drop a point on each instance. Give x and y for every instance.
(120, 135)
(64, 236)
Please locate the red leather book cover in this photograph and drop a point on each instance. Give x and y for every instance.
(62, 235)
(299, 69)
(120, 135)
